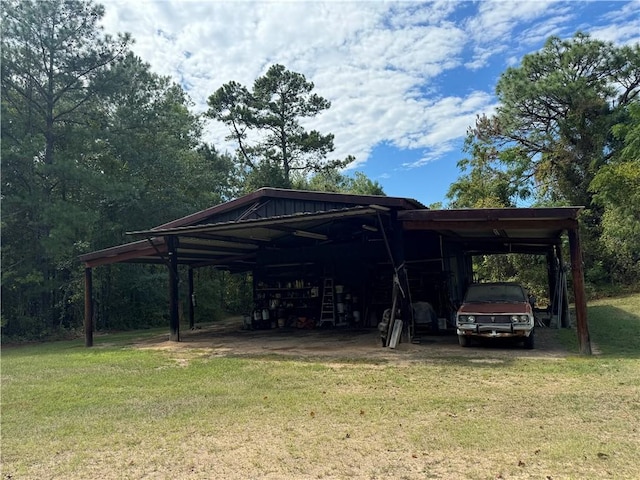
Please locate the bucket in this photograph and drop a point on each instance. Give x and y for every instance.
(265, 314)
(281, 323)
(356, 316)
(340, 307)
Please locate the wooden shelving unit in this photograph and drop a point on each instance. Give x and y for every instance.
(286, 303)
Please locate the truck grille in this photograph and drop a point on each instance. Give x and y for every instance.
(493, 319)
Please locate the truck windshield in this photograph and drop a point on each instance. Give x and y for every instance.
(495, 293)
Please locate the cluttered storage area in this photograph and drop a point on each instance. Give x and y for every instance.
(352, 284)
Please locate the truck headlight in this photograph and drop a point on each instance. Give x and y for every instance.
(466, 319)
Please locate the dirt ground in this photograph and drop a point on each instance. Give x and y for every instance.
(229, 338)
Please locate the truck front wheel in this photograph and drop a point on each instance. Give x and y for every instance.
(529, 342)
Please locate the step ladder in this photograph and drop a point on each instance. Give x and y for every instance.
(328, 311)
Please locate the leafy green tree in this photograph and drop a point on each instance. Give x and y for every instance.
(486, 183)
(616, 188)
(334, 181)
(151, 150)
(266, 124)
(157, 170)
(552, 132)
(94, 144)
(556, 112)
(52, 51)
(362, 185)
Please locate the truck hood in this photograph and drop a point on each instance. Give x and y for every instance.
(497, 308)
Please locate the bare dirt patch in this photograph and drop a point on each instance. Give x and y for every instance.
(229, 338)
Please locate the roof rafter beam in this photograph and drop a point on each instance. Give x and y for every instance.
(186, 244)
(227, 261)
(547, 240)
(489, 214)
(126, 252)
(490, 225)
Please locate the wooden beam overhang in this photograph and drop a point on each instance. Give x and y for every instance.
(481, 225)
(509, 240)
(205, 240)
(232, 262)
(154, 247)
(489, 214)
(187, 249)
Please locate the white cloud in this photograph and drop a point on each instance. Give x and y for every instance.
(498, 18)
(622, 35)
(499, 25)
(373, 60)
(538, 33)
(621, 25)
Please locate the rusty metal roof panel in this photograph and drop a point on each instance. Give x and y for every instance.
(222, 241)
(230, 234)
(270, 202)
(265, 223)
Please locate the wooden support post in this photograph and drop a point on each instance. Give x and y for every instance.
(397, 255)
(174, 310)
(584, 341)
(562, 309)
(192, 301)
(88, 307)
(552, 274)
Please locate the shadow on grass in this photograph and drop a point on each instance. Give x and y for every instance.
(614, 332)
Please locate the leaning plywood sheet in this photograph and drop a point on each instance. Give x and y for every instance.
(395, 335)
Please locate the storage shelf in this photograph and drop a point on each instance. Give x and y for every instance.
(282, 289)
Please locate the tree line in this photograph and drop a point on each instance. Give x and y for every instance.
(95, 144)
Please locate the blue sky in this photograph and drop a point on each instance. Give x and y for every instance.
(405, 79)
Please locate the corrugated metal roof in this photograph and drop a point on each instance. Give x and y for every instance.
(250, 202)
(230, 234)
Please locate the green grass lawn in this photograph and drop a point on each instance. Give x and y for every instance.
(118, 411)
